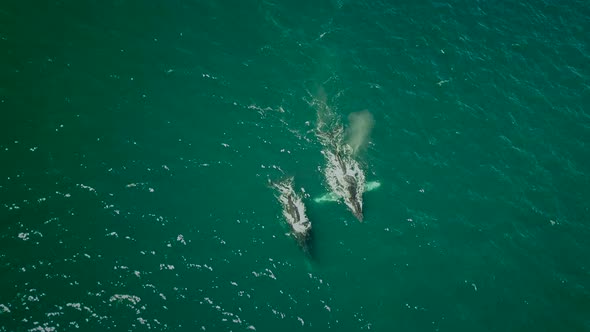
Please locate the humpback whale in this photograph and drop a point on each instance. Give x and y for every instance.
(346, 180)
(343, 172)
(294, 212)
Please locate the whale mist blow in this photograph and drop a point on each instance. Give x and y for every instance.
(359, 128)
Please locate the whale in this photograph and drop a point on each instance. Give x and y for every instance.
(294, 212)
(345, 179)
(343, 173)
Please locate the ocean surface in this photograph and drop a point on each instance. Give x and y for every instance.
(138, 138)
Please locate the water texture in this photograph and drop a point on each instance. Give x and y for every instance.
(137, 139)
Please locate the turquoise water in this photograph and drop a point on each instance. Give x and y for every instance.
(137, 139)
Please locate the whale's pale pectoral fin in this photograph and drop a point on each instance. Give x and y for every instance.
(329, 197)
(372, 185)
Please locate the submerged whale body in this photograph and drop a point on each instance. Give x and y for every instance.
(294, 212)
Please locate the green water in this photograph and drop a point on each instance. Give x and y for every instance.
(137, 139)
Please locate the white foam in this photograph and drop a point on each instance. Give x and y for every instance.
(125, 298)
